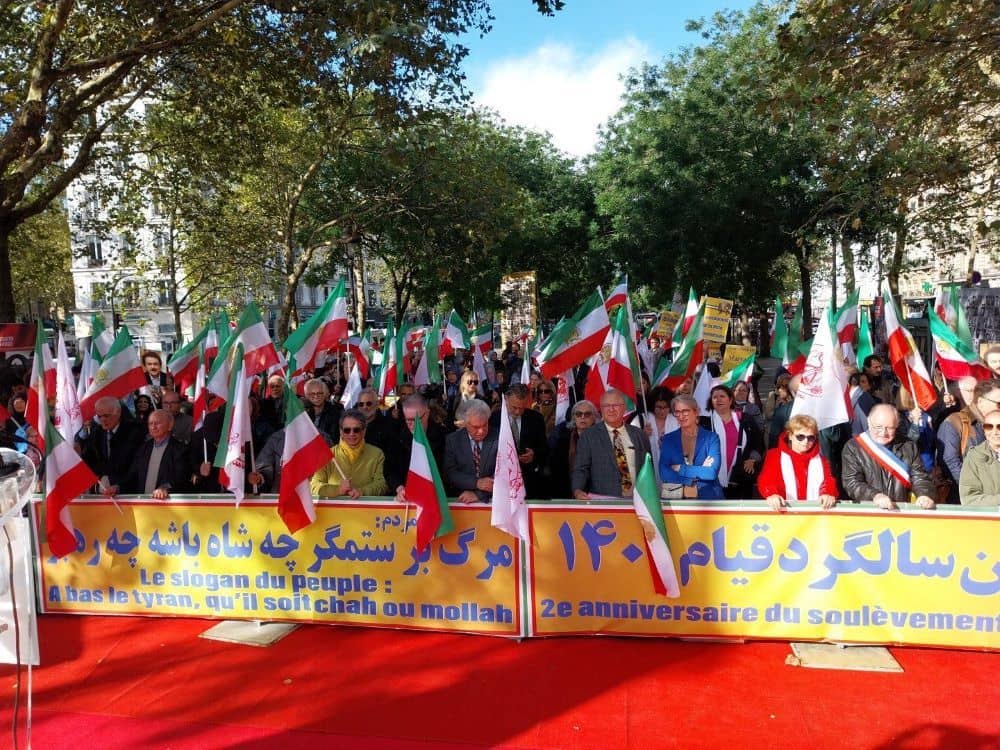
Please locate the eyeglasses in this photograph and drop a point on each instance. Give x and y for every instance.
(612, 406)
(472, 382)
(315, 393)
(679, 412)
(991, 427)
(579, 414)
(881, 430)
(366, 403)
(352, 430)
(104, 416)
(805, 438)
(545, 390)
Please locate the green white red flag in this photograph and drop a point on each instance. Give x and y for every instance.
(456, 335)
(481, 338)
(389, 374)
(424, 488)
(360, 348)
(259, 354)
(646, 501)
(779, 333)
(623, 367)
(118, 375)
(323, 332)
(101, 339)
(429, 367)
(304, 454)
(955, 358)
(795, 358)
(618, 297)
(685, 321)
(41, 384)
(865, 347)
(183, 365)
(688, 357)
(905, 358)
(577, 338)
(66, 478)
(846, 325)
(230, 458)
(742, 373)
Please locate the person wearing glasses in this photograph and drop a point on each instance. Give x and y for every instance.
(323, 413)
(962, 430)
(609, 454)
(796, 470)
(690, 456)
(980, 480)
(545, 404)
(380, 430)
(562, 446)
(884, 468)
(110, 447)
(468, 391)
(355, 468)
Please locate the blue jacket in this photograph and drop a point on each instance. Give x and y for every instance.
(705, 478)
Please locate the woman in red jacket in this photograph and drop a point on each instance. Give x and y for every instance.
(796, 470)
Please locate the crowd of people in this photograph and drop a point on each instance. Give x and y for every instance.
(737, 445)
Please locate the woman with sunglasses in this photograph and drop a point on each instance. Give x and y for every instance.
(468, 390)
(562, 446)
(979, 483)
(796, 470)
(355, 467)
(545, 404)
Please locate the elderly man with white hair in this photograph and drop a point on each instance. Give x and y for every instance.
(885, 469)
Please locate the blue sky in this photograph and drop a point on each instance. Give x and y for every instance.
(560, 74)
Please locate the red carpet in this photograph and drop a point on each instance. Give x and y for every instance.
(128, 683)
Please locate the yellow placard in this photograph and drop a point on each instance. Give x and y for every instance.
(356, 565)
(855, 577)
(715, 324)
(735, 355)
(665, 324)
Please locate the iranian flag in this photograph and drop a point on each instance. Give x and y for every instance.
(795, 358)
(688, 357)
(230, 458)
(481, 338)
(623, 367)
(742, 373)
(577, 338)
(429, 368)
(322, 332)
(415, 338)
(685, 321)
(779, 333)
(597, 375)
(304, 454)
(183, 365)
(508, 509)
(456, 335)
(646, 501)
(101, 339)
(42, 383)
(259, 354)
(424, 488)
(119, 374)
(212, 340)
(528, 354)
(948, 306)
(68, 419)
(865, 347)
(389, 373)
(66, 478)
(955, 358)
(200, 402)
(905, 357)
(846, 325)
(360, 348)
(618, 297)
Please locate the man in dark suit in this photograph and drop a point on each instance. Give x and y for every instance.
(470, 455)
(110, 447)
(380, 430)
(160, 465)
(528, 428)
(609, 454)
(397, 461)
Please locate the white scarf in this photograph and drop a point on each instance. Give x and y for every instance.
(814, 478)
(720, 429)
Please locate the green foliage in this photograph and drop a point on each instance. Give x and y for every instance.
(40, 264)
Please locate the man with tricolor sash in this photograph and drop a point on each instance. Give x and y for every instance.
(885, 470)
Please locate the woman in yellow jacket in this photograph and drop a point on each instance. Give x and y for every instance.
(355, 468)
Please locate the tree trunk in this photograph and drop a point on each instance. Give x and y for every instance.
(7, 312)
(833, 273)
(805, 279)
(847, 252)
(898, 252)
(360, 303)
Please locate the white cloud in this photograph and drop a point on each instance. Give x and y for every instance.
(559, 90)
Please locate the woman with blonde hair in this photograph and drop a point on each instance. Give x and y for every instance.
(796, 470)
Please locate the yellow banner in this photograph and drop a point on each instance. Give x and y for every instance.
(851, 576)
(355, 565)
(735, 355)
(665, 324)
(716, 321)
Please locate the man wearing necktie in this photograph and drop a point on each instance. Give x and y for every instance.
(609, 454)
(111, 445)
(470, 456)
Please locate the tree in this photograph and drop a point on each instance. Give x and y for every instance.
(72, 72)
(41, 259)
(704, 178)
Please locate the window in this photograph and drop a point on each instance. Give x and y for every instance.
(163, 295)
(95, 251)
(129, 295)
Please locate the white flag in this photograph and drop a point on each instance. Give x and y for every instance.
(823, 387)
(68, 418)
(509, 510)
(703, 390)
(352, 389)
